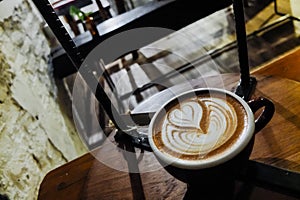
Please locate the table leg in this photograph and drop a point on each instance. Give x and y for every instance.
(120, 6)
(73, 25)
(103, 12)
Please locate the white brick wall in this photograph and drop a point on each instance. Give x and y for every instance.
(35, 135)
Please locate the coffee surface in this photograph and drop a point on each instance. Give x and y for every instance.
(199, 127)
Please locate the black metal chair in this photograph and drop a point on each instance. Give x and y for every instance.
(172, 14)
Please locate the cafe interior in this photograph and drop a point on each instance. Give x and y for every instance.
(82, 81)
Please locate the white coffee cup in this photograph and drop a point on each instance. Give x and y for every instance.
(177, 141)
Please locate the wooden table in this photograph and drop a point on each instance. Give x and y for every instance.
(62, 8)
(278, 145)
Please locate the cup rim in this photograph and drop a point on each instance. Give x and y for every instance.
(212, 161)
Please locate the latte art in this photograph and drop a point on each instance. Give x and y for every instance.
(199, 126)
(189, 115)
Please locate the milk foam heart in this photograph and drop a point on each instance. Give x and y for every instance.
(188, 115)
(200, 127)
(184, 129)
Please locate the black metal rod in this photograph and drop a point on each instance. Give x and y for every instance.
(129, 153)
(62, 35)
(238, 9)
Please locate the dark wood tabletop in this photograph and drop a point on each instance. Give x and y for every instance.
(92, 177)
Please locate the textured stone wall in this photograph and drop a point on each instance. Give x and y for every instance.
(35, 134)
